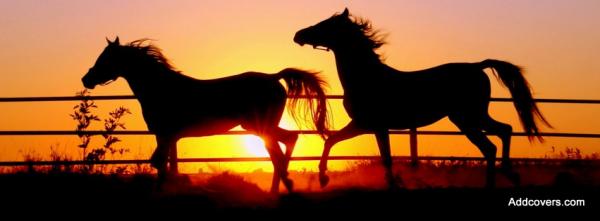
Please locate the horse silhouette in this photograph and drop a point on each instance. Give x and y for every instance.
(378, 97)
(176, 106)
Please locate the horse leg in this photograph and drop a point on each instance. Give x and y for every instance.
(487, 148)
(503, 131)
(349, 131)
(278, 160)
(383, 141)
(173, 167)
(159, 158)
(288, 138)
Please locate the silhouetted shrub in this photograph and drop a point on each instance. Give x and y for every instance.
(83, 114)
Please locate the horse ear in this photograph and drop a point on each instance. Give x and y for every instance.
(117, 41)
(108, 41)
(346, 13)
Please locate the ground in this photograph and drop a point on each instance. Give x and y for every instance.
(359, 190)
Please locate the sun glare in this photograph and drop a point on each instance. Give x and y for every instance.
(255, 146)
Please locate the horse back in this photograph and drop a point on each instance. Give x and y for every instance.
(213, 106)
(413, 99)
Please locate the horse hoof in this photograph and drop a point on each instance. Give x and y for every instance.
(274, 190)
(394, 183)
(511, 175)
(289, 185)
(323, 180)
(514, 178)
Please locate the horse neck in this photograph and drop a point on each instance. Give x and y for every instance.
(150, 82)
(357, 65)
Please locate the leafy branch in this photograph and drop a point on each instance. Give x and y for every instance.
(83, 115)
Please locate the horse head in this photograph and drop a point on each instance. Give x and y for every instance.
(326, 33)
(341, 30)
(107, 66)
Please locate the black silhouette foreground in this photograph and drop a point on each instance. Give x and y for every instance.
(231, 194)
(378, 97)
(176, 106)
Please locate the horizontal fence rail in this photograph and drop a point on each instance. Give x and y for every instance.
(412, 132)
(132, 97)
(144, 132)
(302, 158)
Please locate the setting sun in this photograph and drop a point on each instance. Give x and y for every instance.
(215, 39)
(298, 107)
(255, 146)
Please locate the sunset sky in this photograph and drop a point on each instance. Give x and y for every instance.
(47, 46)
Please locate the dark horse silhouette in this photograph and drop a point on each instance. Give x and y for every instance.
(378, 97)
(176, 106)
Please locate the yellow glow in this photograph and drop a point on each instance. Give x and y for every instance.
(255, 146)
(212, 39)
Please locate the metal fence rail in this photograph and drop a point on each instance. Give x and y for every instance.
(143, 132)
(413, 136)
(303, 158)
(132, 97)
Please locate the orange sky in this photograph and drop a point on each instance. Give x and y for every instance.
(47, 46)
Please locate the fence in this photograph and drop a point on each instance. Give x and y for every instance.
(413, 133)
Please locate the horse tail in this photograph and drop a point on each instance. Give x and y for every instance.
(310, 85)
(511, 77)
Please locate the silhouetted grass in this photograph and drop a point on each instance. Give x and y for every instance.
(360, 188)
(83, 114)
(230, 194)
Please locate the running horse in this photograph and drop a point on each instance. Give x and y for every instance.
(378, 97)
(175, 106)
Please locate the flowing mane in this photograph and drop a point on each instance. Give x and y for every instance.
(379, 98)
(175, 106)
(372, 38)
(152, 52)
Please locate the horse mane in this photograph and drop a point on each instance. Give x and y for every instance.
(372, 38)
(152, 52)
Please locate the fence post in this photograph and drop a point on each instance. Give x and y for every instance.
(414, 158)
(173, 160)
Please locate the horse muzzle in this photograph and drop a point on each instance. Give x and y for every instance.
(87, 83)
(299, 39)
